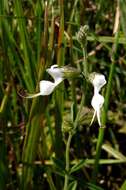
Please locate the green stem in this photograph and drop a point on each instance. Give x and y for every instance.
(67, 162)
(85, 66)
(79, 112)
(72, 15)
(98, 153)
(68, 144)
(75, 124)
(5, 99)
(59, 95)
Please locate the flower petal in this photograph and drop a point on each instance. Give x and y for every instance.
(97, 103)
(32, 95)
(93, 118)
(99, 81)
(56, 73)
(98, 116)
(46, 87)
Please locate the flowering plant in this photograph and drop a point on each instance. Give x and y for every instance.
(98, 81)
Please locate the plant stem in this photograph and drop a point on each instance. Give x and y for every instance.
(5, 98)
(67, 162)
(85, 66)
(72, 15)
(69, 142)
(59, 95)
(98, 153)
(75, 123)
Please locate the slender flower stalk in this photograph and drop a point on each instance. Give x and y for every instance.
(104, 115)
(82, 38)
(67, 168)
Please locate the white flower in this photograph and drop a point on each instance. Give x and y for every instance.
(97, 100)
(56, 73)
(47, 87)
(97, 103)
(98, 81)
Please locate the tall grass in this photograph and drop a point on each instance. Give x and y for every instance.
(46, 142)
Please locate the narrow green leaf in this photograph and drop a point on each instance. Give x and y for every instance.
(72, 185)
(115, 153)
(38, 33)
(60, 173)
(101, 161)
(77, 166)
(25, 42)
(93, 187)
(50, 180)
(122, 4)
(58, 163)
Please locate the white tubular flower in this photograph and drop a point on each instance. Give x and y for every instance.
(97, 102)
(47, 87)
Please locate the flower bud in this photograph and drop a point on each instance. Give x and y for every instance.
(71, 72)
(82, 35)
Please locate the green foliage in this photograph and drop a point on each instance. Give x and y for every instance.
(77, 166)
(46, 142)
(123, 187)
(72, 185)
(94, 187)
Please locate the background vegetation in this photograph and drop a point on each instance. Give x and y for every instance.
(46, 142)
